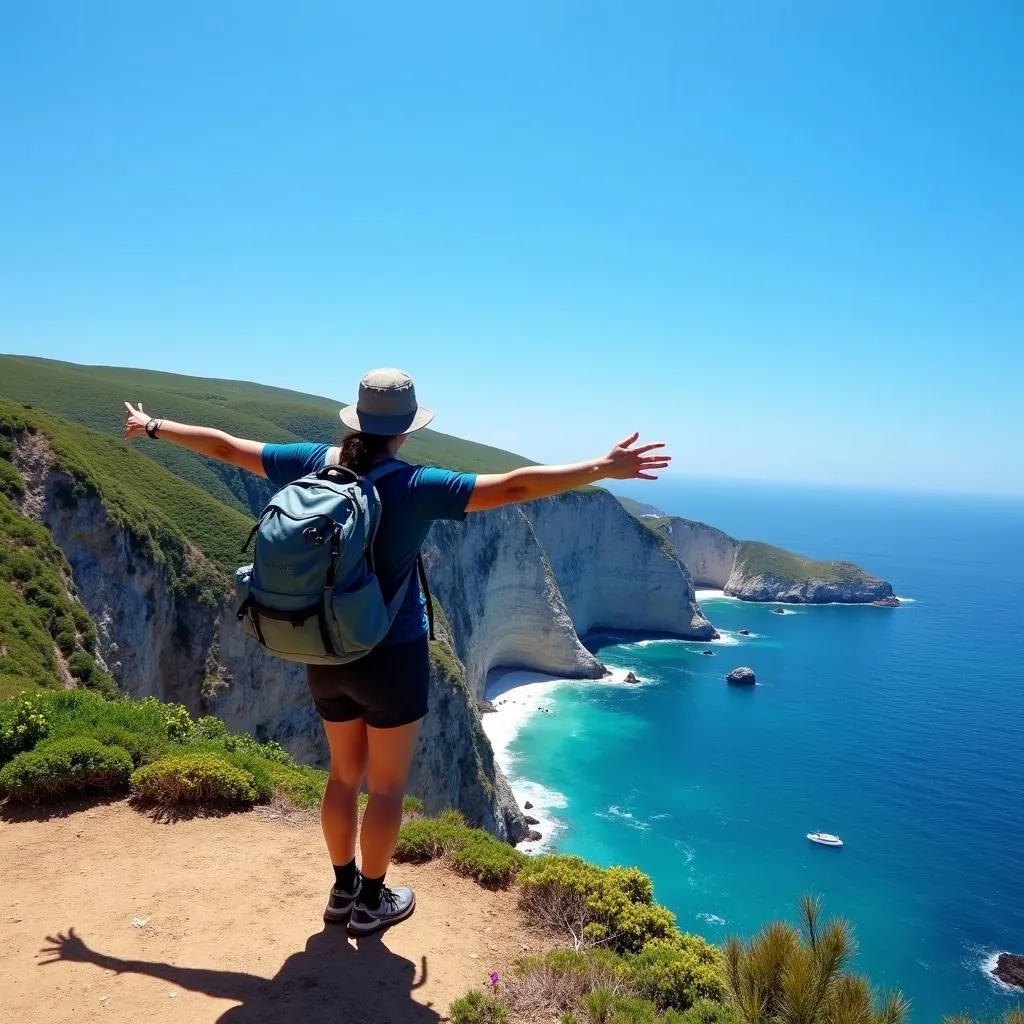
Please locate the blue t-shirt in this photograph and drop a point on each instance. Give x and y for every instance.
(411, 499)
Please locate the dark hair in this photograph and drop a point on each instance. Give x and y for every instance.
(360, 451)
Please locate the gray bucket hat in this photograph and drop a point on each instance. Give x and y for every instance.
(386, 405)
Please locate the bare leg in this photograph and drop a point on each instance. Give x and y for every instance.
(390, 755)
(339, 812)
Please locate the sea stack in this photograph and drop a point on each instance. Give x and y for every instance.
(741, 677)
(1009, 969)
(631, 677)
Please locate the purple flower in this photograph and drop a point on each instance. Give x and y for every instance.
(494, 978)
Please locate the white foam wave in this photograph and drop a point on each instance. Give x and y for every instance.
(627, 817)
(711, 918)
(986, 961)
(544, 802)
(713, 595)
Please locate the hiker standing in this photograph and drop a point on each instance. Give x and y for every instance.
(370, 686)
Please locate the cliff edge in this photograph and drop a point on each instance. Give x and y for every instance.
(753, 571)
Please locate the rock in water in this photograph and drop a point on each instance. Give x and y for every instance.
(778, 611)
(887, 602)
(533, 836)
(741, 677)
(708, 654)
(1009, 969)
(531, 820)
(744, 632)
(486, 707)
(631, 677)
(527, 806)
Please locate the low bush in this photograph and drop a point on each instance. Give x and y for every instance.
(412, 805)
(705, 1011)
(57, 768)
(556, 981)
(478, 1007)
(595, 906)
(302, 785)
(473, 852)
(193, 778)
(678, 972)
(23, 723)
(490, 862)
(423, 839)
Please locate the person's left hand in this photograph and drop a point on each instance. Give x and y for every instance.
(135, 420)
(65, 947)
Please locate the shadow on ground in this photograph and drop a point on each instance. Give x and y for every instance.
(329, 982)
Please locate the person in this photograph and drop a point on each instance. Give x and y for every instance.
(372, 708)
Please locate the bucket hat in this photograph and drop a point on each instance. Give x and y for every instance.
(386, 405)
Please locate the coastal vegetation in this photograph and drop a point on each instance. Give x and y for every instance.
(756, 559)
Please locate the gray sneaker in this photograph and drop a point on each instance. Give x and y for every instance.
(340, 904)
(395, 905)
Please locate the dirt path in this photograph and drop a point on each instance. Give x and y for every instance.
(218, 920)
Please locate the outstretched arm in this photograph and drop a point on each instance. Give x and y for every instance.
(216, 444)
(235, 985)
(623, 462)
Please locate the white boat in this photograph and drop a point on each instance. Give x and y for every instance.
(824, 838)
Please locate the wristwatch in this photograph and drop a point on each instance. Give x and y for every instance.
(152, 427)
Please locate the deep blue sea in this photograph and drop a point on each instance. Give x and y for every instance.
(902, 730)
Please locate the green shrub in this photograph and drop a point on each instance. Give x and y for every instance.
(491, 863)
(423, 839)
(610, 905)
(56, 768)
(193, 779)
(633, 1011)
(478, 1007)
(677, 973)
(211, 731)
(23, 723)
(598, 1005)
(412, 805)
(302, 785)
(704, 1011)
(452, 817)
(556, 981)
(66, 641)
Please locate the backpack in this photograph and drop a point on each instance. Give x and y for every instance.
(311, 594)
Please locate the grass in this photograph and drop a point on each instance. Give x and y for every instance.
(93, 396)
(39, 618)
(172, 521)
(755, 559)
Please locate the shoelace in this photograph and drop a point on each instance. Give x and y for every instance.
(388, 901)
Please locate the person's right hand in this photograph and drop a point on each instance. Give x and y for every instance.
(135, 420)
(624, 462)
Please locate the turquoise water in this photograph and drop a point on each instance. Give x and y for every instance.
(901, 730)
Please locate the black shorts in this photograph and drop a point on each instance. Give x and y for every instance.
(386, 688)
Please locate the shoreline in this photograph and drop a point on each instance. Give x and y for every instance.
(517, 695)
(702, 594)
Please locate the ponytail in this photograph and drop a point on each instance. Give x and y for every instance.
(360, 451)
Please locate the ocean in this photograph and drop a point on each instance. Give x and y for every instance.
(901, 730)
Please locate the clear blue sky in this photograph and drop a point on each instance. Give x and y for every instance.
(786, 236)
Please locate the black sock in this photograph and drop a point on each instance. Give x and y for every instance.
(345, 876)
(370, 892)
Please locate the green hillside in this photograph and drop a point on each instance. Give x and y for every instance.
(40, 622)
(170, 519)
(93, 396)
(757, 558)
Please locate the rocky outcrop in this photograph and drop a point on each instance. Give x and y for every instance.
(863, 589)
(741, 677)
(759, 572)
(1009, 969)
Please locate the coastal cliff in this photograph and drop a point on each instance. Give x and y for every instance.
(753, 571)
(158, 641)
(522, 584)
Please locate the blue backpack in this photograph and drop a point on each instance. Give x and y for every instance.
(311, 594)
